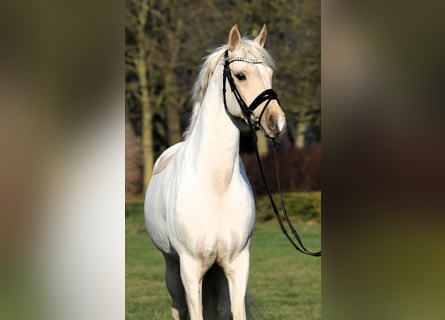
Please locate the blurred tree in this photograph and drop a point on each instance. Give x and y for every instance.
(168, 35)
(136, 53)
(142, 94)
(295, 43)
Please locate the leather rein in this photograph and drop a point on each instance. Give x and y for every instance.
(267, 95)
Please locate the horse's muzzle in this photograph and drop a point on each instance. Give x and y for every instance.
(274, 121)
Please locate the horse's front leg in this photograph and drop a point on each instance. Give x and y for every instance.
(192, 274)
(237, 272)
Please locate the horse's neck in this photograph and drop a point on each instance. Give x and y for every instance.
(215, 137)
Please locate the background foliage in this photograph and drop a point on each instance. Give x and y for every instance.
(165, 44)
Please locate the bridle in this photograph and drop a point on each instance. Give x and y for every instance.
(247, 111)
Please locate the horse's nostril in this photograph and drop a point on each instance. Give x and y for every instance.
(275, 124)
(272, 122)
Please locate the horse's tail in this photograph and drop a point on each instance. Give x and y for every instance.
(216, 298)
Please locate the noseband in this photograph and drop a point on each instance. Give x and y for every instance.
(267, 95)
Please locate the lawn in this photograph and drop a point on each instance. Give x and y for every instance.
(283, 283)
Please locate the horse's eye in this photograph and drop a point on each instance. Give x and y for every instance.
(240, 76)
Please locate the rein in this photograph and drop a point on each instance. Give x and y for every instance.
(267, 95)
(298, 245)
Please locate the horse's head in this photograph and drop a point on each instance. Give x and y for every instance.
(249, 70)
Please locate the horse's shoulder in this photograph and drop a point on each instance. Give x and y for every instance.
(165, 158)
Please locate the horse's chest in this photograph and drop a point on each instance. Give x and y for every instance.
(214, 229)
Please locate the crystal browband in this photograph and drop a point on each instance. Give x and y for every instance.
(244, 59)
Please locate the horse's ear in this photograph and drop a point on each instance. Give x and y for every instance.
(261, 39)
(234, 38)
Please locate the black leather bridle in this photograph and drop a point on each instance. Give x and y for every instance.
(247, 111)
(267, 95)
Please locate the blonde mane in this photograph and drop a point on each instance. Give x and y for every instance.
(249, 49)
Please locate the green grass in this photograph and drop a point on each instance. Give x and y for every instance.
(283, 284)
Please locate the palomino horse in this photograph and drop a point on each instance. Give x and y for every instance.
(199, 206)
